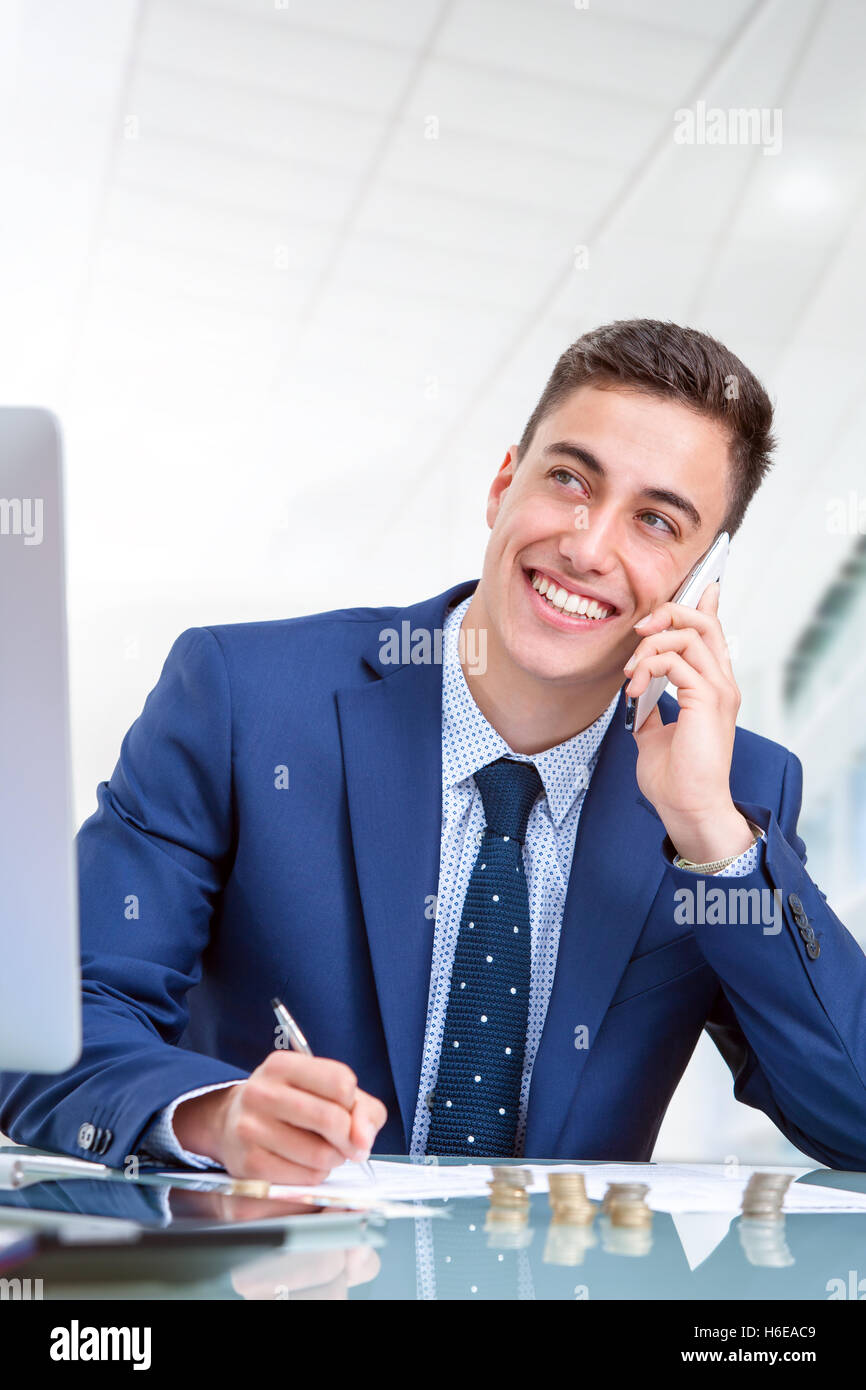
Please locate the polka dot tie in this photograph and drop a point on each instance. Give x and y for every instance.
(475, 1100)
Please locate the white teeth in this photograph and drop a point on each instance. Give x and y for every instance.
(569, 603)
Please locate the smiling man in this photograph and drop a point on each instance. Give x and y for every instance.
(501, 919)
(619, 493)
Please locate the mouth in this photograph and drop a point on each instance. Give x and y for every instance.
(567, 608)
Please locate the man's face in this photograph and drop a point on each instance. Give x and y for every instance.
(617, 496)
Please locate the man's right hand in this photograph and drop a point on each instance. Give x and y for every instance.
(292, 1121)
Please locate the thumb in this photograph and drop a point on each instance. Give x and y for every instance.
(709, 601)
(652, 722)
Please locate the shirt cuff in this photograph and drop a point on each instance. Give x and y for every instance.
(744, 864)
(160, 1141)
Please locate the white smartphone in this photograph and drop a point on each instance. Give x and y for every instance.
(708, 569)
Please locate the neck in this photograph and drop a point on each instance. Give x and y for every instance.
(530, 714)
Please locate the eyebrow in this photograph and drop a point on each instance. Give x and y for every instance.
(662, 495)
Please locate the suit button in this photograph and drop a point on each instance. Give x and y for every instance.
(105, 1141)
(806, 932)
(86, 1136)
(813, 950)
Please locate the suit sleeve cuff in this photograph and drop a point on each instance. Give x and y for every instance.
(744, 864)
(160, 1141)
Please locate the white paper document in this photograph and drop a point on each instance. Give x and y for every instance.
(674, 1187)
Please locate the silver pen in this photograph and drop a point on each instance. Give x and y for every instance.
(300, 1044)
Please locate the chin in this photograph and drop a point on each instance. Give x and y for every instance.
(537, 658)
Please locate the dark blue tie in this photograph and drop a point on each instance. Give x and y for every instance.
(474, 1108)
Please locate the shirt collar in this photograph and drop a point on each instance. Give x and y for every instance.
(469, 742)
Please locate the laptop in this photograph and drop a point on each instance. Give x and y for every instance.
(40, 980)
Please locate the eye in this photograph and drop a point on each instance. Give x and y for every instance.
(663, 519)
(564, 474)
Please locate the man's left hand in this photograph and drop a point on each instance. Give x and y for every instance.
(684, 768)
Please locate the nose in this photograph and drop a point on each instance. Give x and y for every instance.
(591, 545)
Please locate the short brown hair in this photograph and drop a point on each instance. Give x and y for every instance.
(664, 359)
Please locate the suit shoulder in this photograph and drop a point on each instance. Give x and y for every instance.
(750, 745)
(752, 753)
(338, 626)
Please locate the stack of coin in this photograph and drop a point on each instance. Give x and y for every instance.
(250, 1187)
(764, 1196)
(624, 1203)
(630, 1213)
(509, 1199)
(568, 1199)
(510, 1173)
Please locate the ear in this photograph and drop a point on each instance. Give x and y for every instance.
(500, 484)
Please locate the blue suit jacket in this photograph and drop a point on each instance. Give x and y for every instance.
(319, 892)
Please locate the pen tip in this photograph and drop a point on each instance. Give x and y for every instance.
(275, 1003)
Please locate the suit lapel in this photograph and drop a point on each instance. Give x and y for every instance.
(615, 874)
(392, 750)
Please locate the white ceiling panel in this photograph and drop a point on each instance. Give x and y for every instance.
(809, 196)
(251, 181)
(829, 92)
(249, 238)
(481, 167)
(461, 223)
(524, 110)
(245, 120)
(682, 16)
(202, 41)
(563, 43)
(391, 22)
(399, 268)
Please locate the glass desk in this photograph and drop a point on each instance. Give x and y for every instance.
(334, 1255)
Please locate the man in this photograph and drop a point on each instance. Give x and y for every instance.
(428, 829)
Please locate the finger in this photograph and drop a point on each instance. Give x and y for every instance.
(368, 1118)
(709, 599)
(268, 1166)
(287, 1144)
(319, 1075)
(687, 642)
(304, 1110)
(299, 1146)
(671, 665)
(709, 604)
(676, 615)
(652, 722)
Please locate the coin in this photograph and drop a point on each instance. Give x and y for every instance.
(568, 1199)
(617, 1190)
(764, 1195)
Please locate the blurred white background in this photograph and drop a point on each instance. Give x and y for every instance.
(293, 274)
